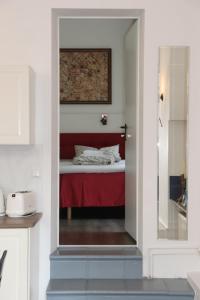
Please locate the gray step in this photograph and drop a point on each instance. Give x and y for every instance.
(118, 289)
(93, 263)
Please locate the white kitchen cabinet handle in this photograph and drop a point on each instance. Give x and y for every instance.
(2, 260)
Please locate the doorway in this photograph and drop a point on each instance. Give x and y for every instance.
(98, 227)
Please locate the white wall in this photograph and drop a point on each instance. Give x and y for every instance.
(178, 100)
(25, 35)
(177, 148)
(96, 34)
(25, 40)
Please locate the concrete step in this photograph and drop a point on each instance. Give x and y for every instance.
(96, 263)
(118, 289)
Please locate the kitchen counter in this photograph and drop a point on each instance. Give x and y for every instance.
(22, 222)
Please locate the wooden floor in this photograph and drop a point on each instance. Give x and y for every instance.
(94, 232)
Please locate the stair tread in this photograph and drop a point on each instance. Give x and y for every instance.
(120, 286)
(98, 253)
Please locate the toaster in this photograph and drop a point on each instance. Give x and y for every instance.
(20, 204)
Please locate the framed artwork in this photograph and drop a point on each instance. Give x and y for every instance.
(85, 76)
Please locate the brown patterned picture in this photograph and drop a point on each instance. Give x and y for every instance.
(85, 76)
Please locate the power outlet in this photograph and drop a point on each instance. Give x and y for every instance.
(36, 173)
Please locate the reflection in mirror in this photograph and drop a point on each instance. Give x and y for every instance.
(172, 143)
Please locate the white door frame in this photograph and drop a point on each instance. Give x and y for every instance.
(58, 14)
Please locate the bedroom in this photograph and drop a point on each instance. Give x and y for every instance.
(94, 206)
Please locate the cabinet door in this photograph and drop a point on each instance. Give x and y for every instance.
(15, 105)
(14, 283)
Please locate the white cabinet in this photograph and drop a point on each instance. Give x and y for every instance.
(20, 262)
(15, 105)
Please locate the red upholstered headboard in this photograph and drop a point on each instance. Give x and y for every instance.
(97, 140)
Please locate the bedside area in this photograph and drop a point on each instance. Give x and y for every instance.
(20, 238)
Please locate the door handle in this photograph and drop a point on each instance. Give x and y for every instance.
(2, 260)
(125, 127)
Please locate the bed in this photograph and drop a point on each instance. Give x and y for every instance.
(91, 186)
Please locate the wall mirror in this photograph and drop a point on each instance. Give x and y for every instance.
(172, 142)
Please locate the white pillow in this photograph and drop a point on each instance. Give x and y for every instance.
(114, 150)
(93, 153)
(79, 149)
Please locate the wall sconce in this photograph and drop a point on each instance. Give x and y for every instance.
(104, 119)
(161, 97)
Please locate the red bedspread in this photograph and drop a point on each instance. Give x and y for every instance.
(89, 189)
